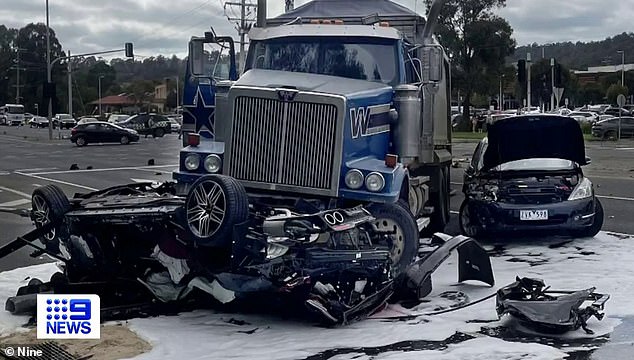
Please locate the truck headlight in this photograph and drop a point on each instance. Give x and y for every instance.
(582, 190)
(354, 179)
(213, 163)
(375, 182)
(192, 162)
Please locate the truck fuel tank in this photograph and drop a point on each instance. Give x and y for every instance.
(407, 129)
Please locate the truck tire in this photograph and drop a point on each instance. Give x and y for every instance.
(49, 204)
(397, 217)
(440, 200)
(214, 204)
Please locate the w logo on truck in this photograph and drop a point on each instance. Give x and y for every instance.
(370, 120)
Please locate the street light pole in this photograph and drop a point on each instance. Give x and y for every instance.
(622, 52)
(100, 77)
(177, 94)
(70, 86)
(501, 95)
(528, 82)
(48, 75)
(552, 83)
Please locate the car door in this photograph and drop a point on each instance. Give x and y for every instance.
(110, 133)
(627, 127)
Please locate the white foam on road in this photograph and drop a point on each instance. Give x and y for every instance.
(15, 203)
(606, 261)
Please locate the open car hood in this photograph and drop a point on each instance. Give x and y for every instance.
(534, 136)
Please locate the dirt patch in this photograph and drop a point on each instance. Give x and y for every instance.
(117, 342)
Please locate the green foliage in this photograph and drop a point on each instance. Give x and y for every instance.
(478, 41)
(614, 91)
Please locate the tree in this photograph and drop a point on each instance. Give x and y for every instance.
(614, 91)
(478, 41)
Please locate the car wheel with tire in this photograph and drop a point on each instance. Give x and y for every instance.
(610, 135)
(159, 133)
(403, 243)
(214, 204)
(124, 140)
(81, 141)
(469, 224)
(597, 222)
(49, 204)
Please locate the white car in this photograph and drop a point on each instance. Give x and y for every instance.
(87, 120)
(531, 110)
(584, 116)
(38, 122)
(117, 118)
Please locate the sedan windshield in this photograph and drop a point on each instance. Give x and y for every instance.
(369, 59)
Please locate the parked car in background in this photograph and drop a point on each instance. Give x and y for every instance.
(117, 118)
(614, 111)
(38, 122)
(102, 132)
(175, 125)
(28, 117)
(609, 129)
(530, 110)
(148, 124)
(584, 116)
(526, 176)
(86, 119)
(64, 121)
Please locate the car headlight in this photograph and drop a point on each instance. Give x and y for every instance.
(354, 179)
(582, 190)
(375, 182)
(192, 162)
(213, 163)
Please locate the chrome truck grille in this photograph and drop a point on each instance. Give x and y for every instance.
(285, 145)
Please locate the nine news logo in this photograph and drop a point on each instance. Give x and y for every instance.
(62, 316)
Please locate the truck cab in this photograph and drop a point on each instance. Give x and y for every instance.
(326, 112)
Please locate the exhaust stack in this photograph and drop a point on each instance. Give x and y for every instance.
(261, 19)
(432, 20)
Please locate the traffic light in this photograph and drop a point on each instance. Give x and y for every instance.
(129, 51)
(521, 71)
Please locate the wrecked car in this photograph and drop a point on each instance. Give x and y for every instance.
(143, 243)
(527, 175)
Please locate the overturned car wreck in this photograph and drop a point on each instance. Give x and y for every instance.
(143, 244)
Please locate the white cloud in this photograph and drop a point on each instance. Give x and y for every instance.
(162, 27)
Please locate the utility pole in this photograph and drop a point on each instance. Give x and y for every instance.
(48, 75)
(552, 82)
(243, 23)
(100, 77)
(622, 52)
(70, 85)
(528, 81)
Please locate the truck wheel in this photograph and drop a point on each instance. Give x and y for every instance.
(49, 204)
(214, 204)
(404, 244)
(469, 225)
(159, 133)
(597, 222)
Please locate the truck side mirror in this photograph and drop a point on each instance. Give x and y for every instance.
(432, 63)
(196, 53)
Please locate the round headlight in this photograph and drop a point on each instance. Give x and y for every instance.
(192, 162)
(354, 179)
(375, 182)
(213, 163)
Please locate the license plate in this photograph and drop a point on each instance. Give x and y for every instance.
(531, 215)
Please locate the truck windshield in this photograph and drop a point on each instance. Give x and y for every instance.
(369, 59)
(15, 109)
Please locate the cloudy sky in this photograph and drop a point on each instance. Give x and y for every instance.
(163, 27)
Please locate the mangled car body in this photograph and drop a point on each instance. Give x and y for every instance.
(527, 175)
(142, 242)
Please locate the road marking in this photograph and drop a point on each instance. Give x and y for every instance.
(36, 185)
(99, 170)
(143, 180)
(625, 148)
(615, 198)
(455, 183)
(56, 181)
(15, 203)
(455, 212)
(37, 169)
(15, 192)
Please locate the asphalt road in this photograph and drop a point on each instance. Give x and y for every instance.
(28, 160)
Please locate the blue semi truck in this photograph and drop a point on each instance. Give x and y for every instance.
(338, 104)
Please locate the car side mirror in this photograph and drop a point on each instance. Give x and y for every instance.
(588, 160)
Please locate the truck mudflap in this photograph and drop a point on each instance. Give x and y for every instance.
(473, 264)
(549, 311)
